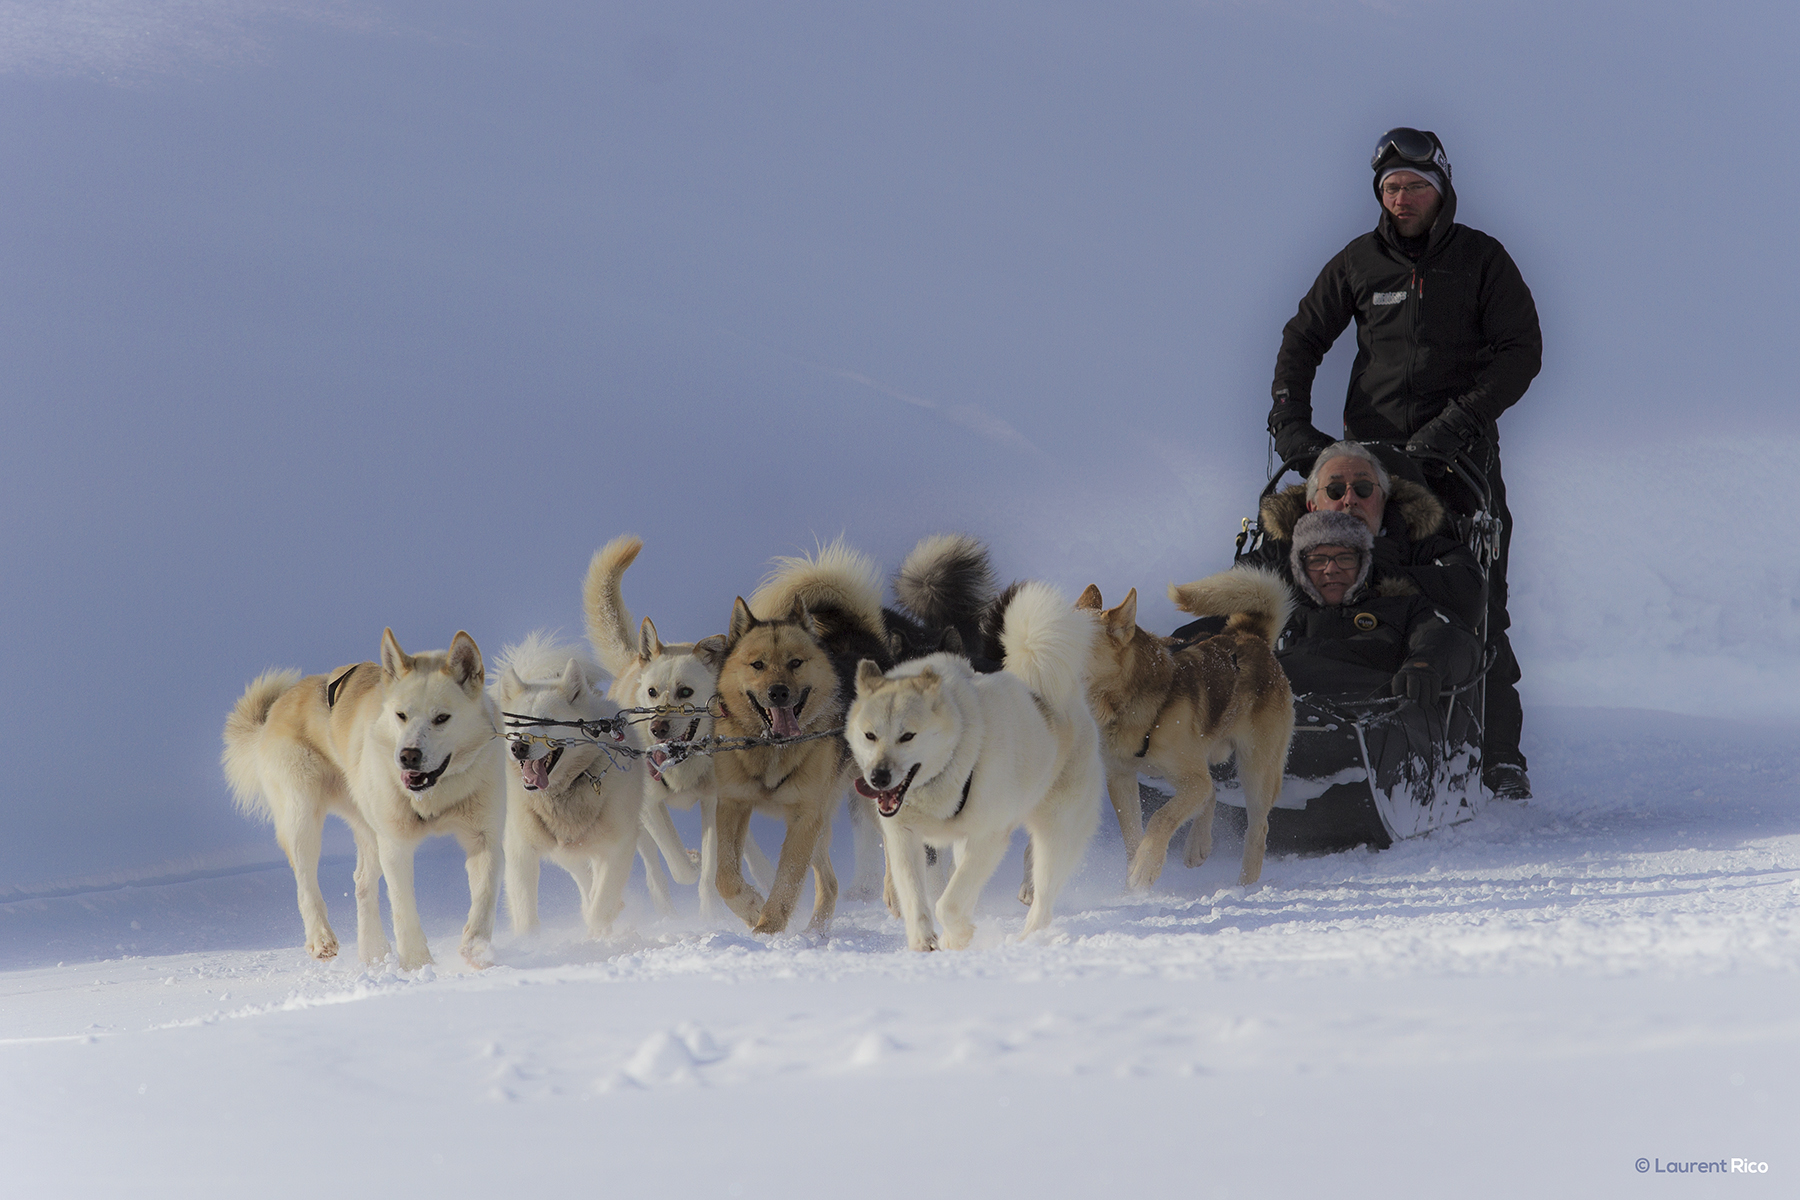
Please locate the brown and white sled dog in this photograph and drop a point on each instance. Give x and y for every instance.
(956, 759)
(650, 673)
(788, 668)
(1172, 713)
(569, 804)
(401, 749)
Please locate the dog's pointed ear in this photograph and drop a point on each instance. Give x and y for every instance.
(797, 615)
(742, 621)
(1121, 622)
(868, 677)
(928, 678)
(896, 645)
(574, 679)
(649, 645)
(951, 642)
(1090, 598)
(395, 662)
(463, 663)
(711, 650)
(510, 683)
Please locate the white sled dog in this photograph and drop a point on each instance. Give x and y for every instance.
(650, 673)
(400, 749)
(956, 759)
(570, 803)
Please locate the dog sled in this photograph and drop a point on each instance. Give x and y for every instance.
(1376, 771)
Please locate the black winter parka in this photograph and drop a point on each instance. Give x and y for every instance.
(1458, 325)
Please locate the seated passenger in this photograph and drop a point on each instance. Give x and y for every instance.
(1348, 639)
(1413, 549)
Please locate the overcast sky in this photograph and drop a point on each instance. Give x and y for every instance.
(323, 317)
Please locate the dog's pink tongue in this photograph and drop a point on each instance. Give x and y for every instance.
(783, 723)
(536, 773)
(886, 803)
(655, 759)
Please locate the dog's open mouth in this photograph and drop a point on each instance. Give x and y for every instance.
(886, 803)
(418, 781)
(535, 772)
(782, 722)
(660, 754)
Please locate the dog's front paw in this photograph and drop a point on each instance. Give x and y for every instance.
(412, 960)
(322, 945)
(770, 921)
(478, 953)
(1146, 867)
(922, 942)
(958, 937)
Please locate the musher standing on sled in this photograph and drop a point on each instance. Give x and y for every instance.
(1447, 339)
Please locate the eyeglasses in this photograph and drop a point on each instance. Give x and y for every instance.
(1364, 488)
(1408, 145)
(1391, 190)
(1347, 561)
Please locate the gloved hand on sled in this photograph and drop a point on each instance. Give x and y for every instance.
(1451, 430)
(1418, 683)
(1298, 442)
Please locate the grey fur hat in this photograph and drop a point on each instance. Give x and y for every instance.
(1331, 529)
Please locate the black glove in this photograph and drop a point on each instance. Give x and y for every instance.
(1418, 683)
(1298, 440)
(1451, 430)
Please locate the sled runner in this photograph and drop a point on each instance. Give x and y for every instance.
(1375, 771)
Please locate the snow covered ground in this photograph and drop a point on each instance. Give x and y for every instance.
(1538, 999)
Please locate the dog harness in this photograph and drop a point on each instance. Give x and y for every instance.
(331, 689)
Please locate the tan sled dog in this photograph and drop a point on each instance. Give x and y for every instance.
(651, 673)
(401, 749)
(1172, 713)
(788, 669)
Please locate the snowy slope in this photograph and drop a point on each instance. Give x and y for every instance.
(1534, 999)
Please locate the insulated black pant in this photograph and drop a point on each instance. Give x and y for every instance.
(1505, 716)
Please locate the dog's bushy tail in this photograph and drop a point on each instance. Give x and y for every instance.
(540, 658)
(243, 729)
(1257, 600)
(1046, 642)
(610, 629)
(946, 581)
(840, 587)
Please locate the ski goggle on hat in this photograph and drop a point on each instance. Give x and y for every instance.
(1409, 145)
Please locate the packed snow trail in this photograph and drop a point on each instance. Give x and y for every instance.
(1535, 999)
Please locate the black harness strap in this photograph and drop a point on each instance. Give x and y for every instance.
(331, 689)
(964, 802)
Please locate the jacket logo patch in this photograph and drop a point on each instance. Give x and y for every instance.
(1365, 621)
(1387, 298)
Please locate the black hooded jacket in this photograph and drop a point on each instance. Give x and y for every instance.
(1355, 648)
(1456, 326)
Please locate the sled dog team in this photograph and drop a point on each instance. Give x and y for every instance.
(950, 720)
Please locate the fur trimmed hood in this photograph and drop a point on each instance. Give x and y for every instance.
(1331, 529)
(1418, 506)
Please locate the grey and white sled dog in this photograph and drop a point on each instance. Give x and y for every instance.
(568, 803)
(401, 749)
(952, 758)
(650, 673)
